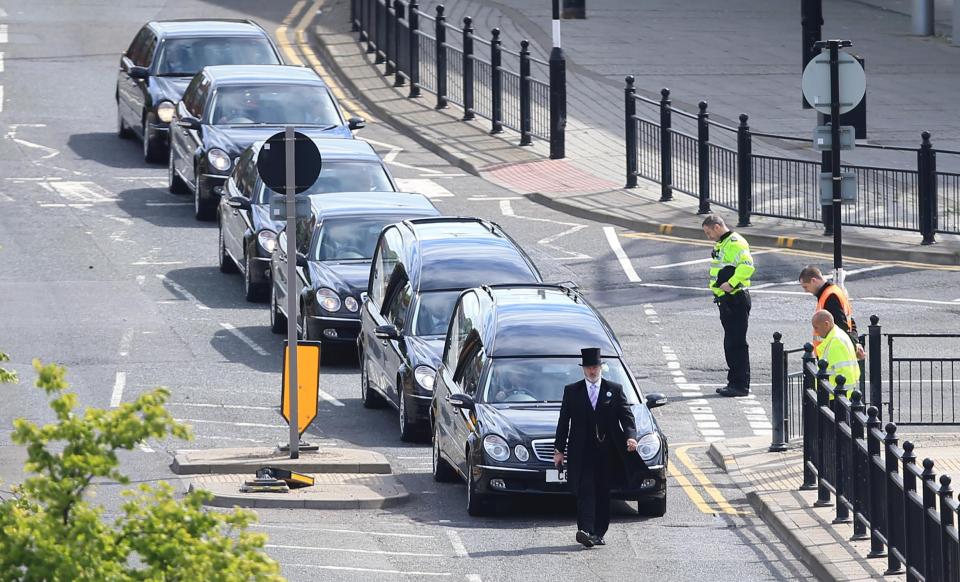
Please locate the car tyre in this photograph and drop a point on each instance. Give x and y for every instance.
(478, 504)
(175, 183)
(368, 396)
(652, 507)
(278, 321)
(442, 471)
(252, 292)
(408, 429)
(203, 210)
(123, 132)
(153, 148)
(226, 263)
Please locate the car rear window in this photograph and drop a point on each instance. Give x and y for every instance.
(346, 176)
(186, 56)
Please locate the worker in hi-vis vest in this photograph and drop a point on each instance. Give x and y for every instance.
(837, 350)
(730, 270)
(833, 298)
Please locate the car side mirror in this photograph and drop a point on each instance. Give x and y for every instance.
(136, 72)
(462, 401)
(301, 260)
(656, 400)
(356, 123)
(238, 202)
(387, 332)
(189, 122)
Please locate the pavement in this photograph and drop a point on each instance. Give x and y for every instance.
(771, 483)
(588, 183)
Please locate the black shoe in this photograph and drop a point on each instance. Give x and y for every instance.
(598, 541)
(585, 538)
(721, 389)
(732, 392)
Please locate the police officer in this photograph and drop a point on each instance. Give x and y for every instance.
(832, 298)
(730, 272)
(838, 351)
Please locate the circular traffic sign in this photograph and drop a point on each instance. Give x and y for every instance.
(816, 82)
(272, 162)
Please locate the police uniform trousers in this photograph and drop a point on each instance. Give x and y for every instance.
(735, 316)
(593, 493)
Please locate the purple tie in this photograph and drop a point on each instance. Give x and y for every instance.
(594, 392)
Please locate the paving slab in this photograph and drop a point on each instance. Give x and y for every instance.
(330, 491)
(248, 460)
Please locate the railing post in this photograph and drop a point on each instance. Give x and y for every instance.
(875, 490)
(413, 19)
(496, 81)
(840, 416)
(383, 41)
(744, 172)
(703, 158)
(909, 486)
(856, 493)
(927, 189)
(778, 374)
(874, 360)
(929, 497)
(468, 113)
(630, 129)
(666, 147)
(354, 25)
(823, 401)
(891, 468)
(945, 493)
(440, 34)
(810, 419)
(526, 123)
(371, 9)
(399, 79)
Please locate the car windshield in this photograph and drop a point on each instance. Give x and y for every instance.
(186, 56)
(302, 105)
(344, 176)
(350, 238)
(433, 312)
(529, 380)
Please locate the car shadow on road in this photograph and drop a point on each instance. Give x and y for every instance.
(159, 208)
(106, 148)
(252, 346)
(213, 289)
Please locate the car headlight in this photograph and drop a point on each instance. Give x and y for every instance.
(351, 304)
(219, 159)
(522, 454)
(425, 376)
(496, 447)
(328, 299)
(165, 111)
(648, 446)
(267, 239)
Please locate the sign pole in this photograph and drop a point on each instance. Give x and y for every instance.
(292, 292)
(558, 91)
(838, 277)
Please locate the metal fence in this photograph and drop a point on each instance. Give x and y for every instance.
(722, 169)
(458, 66)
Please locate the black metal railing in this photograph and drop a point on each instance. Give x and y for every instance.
(922, 390)
(679, 150)
(509, 88)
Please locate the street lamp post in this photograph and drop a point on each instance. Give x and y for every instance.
(558, 91)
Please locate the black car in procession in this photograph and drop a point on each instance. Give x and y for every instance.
(226, 109)
(333, 270)
(419, 269)
(247, 233)
(161, 60)
(508, 354)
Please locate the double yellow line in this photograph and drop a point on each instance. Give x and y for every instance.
(299, 52)
(722, 505)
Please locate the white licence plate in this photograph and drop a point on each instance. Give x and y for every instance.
(554, 476)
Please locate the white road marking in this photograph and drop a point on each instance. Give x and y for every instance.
(484, 198)
(428, 188)
(614, 243)
(1, 98)
(301, 528)
(371, 570)
(225, 406)
(125, 340)
(179, 289)
(141, 279)
(4, 33)
(245, 339)
(118, 385)
(1, 62)
(154, 204)
(428, 175)
(474, 578)
(224, 422)
(324, 396)
(905, 300)
(795, 282)
(353, 551)
(506, 208)
(707, 260)
(458, 548)
(85, 192)
(142, 263)
(145, 448)
(229, 438)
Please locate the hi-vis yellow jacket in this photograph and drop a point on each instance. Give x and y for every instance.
(838, 350)
(731, 254)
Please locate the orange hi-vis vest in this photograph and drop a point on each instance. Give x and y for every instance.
(833, 289)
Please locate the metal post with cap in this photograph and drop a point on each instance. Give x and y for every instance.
(558, 91)
(290, 140)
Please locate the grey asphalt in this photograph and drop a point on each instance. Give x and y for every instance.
(107, 273)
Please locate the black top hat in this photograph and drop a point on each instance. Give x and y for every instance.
(590, 357)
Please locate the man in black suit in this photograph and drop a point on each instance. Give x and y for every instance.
(598, 420)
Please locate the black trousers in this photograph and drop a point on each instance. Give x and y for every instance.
(735, 317)
(593, 493)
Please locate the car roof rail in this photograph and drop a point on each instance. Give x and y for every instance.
(569, 288)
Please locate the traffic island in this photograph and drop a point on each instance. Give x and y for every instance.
(330, 491)
(248, 460)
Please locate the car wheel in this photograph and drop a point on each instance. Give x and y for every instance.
(477, 503)
(175, 183)
(368, 396)
(252, 292)
(278, 321)
(226, 263)
(302, 325)
(652, 507)
(123, 132)
(153, 149)
(442, 471)
(202, 208)
(408, 430)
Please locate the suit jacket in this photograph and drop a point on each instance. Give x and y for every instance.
(580, 424)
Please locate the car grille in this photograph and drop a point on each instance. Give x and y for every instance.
(543, 448)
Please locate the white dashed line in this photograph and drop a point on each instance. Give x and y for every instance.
(428, 188)
(458, 548)
(118, 385)
(352, 551)
(186, 294)
(245, 339)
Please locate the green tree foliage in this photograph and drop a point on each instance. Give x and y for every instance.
(50, 530)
